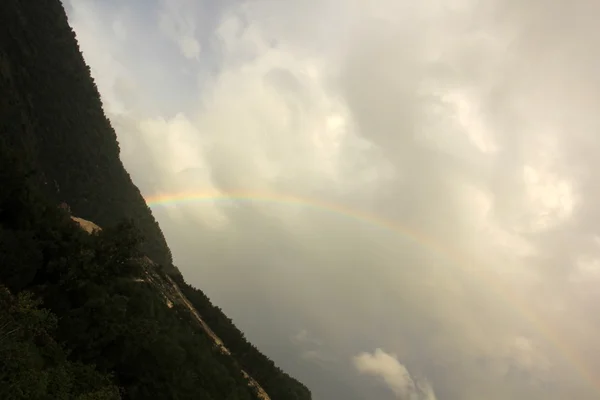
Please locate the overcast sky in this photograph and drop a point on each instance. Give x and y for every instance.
(470, 131)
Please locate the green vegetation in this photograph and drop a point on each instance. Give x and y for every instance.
(33, 365)
(76, 321)
(54, 113)
(276, 383)
(121, 332)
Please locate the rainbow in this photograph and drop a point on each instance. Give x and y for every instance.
(574, 359)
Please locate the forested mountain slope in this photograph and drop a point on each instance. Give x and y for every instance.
(56, 104)
(77, 318)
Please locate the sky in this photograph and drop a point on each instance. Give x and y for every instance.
(392, 199)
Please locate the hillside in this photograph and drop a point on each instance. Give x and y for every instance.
(79, 316)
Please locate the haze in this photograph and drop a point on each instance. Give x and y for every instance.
(456, 145)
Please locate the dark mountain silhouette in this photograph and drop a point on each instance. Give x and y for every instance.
(91, 305)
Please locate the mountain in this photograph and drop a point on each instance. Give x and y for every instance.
(91, 305)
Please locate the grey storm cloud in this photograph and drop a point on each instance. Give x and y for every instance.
(471, 128)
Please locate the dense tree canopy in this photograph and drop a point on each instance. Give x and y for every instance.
(113, 327)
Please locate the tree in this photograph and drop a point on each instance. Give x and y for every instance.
(34, 366)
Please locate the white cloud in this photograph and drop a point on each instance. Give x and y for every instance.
(388, 368)
(179, 25)
(303, 337)
(472, 126)
(395, 375)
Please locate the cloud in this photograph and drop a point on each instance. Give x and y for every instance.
(303, 337)
(388, 368)
(179, 26)
(470, 129)
(395, 375)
